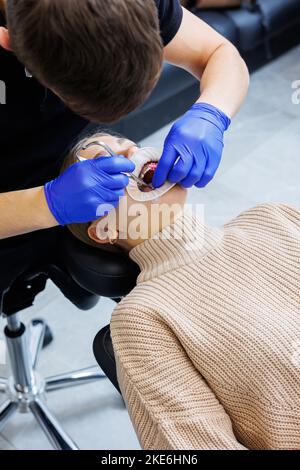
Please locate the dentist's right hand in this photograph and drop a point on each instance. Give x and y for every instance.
(77, 195)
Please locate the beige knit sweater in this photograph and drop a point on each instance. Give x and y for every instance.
(208, 343)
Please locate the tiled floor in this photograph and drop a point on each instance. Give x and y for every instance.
(261, 163)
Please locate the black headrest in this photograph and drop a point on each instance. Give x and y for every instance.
(106, 274)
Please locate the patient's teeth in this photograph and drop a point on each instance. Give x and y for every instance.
(147, 174)
(141, 158)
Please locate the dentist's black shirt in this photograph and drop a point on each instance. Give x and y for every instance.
(170, 16)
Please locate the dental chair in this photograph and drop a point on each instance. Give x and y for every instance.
(83, 274)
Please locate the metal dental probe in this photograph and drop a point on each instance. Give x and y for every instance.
(111, 153)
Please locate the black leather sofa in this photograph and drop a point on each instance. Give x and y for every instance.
(261, 33)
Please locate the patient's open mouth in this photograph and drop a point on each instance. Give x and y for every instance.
(147, 174)
(146, 161)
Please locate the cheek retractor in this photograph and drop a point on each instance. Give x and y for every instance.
(141, 158)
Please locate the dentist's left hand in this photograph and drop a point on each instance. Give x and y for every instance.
(193, 149)
(84, 191)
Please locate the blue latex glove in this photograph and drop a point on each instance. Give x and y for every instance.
(76, 196)
(197, 139)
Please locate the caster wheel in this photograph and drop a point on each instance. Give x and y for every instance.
(48, 338)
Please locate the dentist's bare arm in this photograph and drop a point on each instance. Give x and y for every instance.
(81, 194)
(198, 137)
(23, 212)
(212, 59)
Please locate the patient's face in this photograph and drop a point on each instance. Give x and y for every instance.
(145, 170)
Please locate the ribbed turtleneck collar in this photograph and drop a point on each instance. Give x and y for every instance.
(179, 244)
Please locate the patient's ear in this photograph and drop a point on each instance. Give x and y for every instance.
(4, 38)
(99, 232)
(92, 233)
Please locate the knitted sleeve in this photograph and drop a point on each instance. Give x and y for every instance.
(170, 404)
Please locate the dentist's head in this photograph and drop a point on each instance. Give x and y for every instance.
(101, 57)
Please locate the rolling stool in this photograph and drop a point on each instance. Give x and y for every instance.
(83, 274)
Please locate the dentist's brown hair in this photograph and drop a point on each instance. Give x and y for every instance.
(102, 57)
